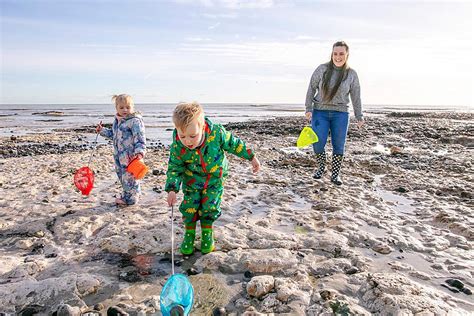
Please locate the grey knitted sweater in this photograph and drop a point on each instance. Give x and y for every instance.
(340, 101)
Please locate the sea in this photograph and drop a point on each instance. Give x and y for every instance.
(21, 119)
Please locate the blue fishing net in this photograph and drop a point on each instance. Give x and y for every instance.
(177, 291)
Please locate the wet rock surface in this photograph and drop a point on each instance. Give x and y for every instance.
(396, 238)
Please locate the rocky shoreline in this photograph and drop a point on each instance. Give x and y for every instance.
(396, 238)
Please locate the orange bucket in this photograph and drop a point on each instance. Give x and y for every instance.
(137, 168)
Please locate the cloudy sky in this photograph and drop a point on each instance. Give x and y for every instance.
(405, 52)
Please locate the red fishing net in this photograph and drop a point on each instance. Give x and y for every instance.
(84, 180)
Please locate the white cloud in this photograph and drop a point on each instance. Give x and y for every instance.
(198, 39)
(231, 4)
(211, 27)
(246, 4)
(306, 38)
(220, 16)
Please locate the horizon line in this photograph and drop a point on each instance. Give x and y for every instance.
(244, 103)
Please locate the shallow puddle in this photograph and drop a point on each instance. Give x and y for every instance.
(397, 202)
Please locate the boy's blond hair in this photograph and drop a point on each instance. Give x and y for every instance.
(123, 98)
(185, 113)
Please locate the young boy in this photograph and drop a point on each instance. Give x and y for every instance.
(198, 163)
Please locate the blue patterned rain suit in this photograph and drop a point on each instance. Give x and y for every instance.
(128, 136)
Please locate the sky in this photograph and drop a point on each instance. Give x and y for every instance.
(255, 51)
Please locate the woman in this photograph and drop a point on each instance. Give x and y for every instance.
(327, 105)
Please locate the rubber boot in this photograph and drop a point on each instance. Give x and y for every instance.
(321, 160)
(336, 169)
(187, 246)
(207, 238)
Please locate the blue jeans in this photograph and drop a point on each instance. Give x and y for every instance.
(337, 122)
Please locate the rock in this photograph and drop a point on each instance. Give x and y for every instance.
(87, 284)
(455, 283)
(31, 310)
(467, 291)
(130, 276)
(219, 311)
(327, 295)
(116, 311)
(248, 275)
(420, 275)
(98, 307)
(330, 266)
(382, 248)
(67, 310)
(193, 271)
(395, 150)
(401, 190)
(24, 244)
(352, 270)
(270, 303)
(38, 234)
(260, 285)
(285, 288)
(158, 172)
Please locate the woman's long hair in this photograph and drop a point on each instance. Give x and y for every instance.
(328, 93)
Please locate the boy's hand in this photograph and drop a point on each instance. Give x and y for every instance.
(171, 198)
(99, 128)
(308, 116)
(255, 165)
(360, 123)
(138, 156)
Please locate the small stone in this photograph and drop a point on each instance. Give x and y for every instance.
(67, 310)
(455, 283)
(39, 234)
(116, 311)
(352, 270)
(395, 150)
(326, 295)
(98, 307)
(158, 172)
(219, 311)
(467, 291)
(192, 271)
(130, 276)
(401, 190)
(382, 248)
(248, 275)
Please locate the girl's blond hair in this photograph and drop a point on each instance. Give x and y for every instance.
(185, 113)
(123, 98)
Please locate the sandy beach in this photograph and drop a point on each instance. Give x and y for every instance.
(395, 239)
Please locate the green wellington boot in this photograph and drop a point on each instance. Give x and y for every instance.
(187, 246)
(207, 238)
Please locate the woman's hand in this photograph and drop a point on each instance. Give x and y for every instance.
(171, 198)
(360, 123)
(308, 115)
(255, 165)
(99, 127)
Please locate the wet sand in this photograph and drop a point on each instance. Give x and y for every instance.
(396, 238)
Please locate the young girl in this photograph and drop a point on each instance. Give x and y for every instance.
(128, 136)
(198, 165)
